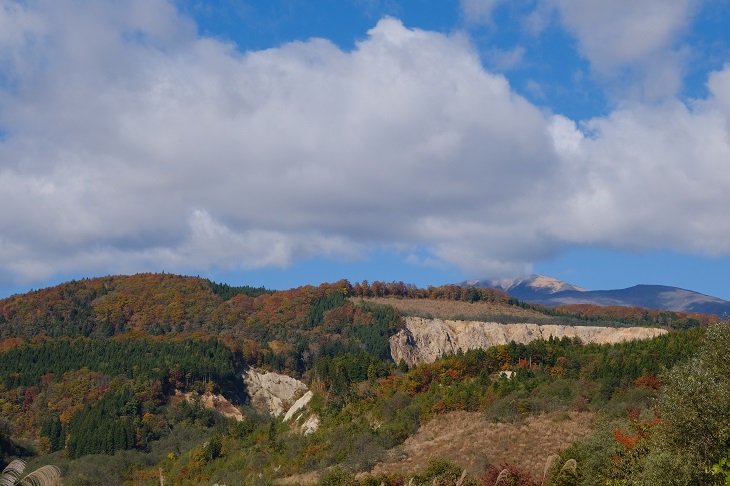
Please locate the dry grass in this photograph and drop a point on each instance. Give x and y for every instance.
(469, 440)
(312, 477)
(451, 309)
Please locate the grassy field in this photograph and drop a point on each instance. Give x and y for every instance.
(452, 309)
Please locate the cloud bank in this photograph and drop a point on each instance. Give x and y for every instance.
(130, 143)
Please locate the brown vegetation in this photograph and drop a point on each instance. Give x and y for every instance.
(676, 320)
(452, 309)
(471, 441)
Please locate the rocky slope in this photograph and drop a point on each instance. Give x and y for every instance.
(425, 340)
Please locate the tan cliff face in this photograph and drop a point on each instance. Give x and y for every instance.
(272, 393)
(278, 394)
(211, 401)
(425, 340)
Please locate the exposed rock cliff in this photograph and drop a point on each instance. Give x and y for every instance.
(272, 393)
(212, 402)
(276, 394)
(298, 406)
(425, 340)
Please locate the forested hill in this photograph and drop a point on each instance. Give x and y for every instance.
(283, 330)
(165, 304)
(160, 304)
(99, 366)
(106, 306)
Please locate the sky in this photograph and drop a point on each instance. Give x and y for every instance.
(280, 143)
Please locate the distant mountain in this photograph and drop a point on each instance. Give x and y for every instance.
(540, 289)
(527, 287)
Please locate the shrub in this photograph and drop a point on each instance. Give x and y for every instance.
(337, 477)
(510, 476)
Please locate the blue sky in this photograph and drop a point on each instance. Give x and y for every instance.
(282, 143)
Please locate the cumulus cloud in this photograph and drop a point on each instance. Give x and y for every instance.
(150, 144)
(133, 144)
(655, 178)
(719, 86)
(628, 41)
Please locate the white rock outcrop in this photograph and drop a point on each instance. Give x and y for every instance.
(425, 340)
(276, 394)
(310, 425)
(272, 393)
(298, 405)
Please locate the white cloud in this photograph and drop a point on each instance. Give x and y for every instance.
(635, 48)
(479, 11)
(278, 155)
(719, 86)
(149, 148)
(654, 177)
(505, 59)
(626, 40)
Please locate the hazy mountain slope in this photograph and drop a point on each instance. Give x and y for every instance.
(534, 284)
(539, 289)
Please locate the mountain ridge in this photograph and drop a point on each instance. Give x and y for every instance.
(548, 291)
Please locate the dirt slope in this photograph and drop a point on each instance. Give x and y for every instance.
(471, 441)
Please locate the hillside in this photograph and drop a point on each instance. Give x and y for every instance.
(284, 330)
(471, 440)
(118, 377)
(458, 309)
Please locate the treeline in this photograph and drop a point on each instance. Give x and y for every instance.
(444, 292)
(618, 316)
(106, 426)
(620, 365)
(225, 291)
(176, 363)
(107, 306)
(56, 391)
(639, 315)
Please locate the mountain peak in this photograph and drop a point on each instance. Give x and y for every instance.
(544, 290)
(551, 284)
(536, 283)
